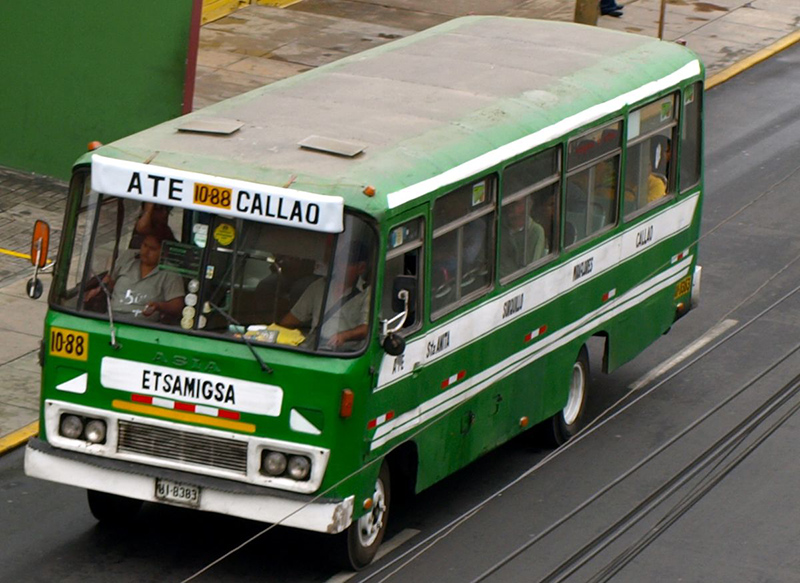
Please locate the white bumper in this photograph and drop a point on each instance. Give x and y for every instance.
(329, 517)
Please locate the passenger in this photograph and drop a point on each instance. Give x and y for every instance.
(154, 220)
(142, 290)
(659, 168)
(523, 238)
(345, 320)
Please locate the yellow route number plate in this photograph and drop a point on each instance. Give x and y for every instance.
(213, 196)
(69, 343)
(684, 287)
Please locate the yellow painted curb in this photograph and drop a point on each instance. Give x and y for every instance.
(753, 60)
(19, 437)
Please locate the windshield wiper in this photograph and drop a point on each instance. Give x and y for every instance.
(231, 320)
(107, 293)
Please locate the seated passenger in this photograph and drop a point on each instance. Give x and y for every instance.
(523, 239)
(140, 289)
(347, 314)
(659, 165)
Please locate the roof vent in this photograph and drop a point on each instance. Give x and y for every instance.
(332, 146)
(211, 125)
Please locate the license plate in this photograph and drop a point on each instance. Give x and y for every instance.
(177, 493)
(684, 287)
(213, 196)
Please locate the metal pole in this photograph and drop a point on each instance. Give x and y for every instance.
(661, 20)
(587, 11)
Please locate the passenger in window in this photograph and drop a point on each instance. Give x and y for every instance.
(153, 220)
(344, 323)
(659, 168)
(140, 289)
(523, 238)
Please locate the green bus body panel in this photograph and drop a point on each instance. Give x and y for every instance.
(309, 383)
(419, 106)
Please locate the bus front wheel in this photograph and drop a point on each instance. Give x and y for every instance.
(112, 509)
(568, 421)
(364, 536)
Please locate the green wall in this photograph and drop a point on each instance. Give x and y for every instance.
(74, 72)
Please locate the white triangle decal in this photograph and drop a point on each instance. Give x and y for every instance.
(299, 423)
(76, 385)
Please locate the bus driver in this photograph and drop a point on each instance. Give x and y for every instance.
(345, 319)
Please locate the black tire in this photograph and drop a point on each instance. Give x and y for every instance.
(363, 538)
(567, 422)
(111, 509)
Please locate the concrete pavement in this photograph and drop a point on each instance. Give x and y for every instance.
(259, 45)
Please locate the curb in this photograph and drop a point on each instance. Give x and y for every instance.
(753, 60)
(17, 438)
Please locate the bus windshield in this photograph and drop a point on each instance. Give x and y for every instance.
(155, 265)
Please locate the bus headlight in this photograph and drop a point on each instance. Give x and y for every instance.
(71, 426)
(96, 431)
(299, 467)
(273, 463)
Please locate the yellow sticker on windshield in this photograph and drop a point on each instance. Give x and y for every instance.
(214, 196)
(224, 234)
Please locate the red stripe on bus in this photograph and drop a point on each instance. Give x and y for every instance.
(184, 407)
(229, 414)
(142, 399)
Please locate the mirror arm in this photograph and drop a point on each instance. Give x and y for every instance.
(395, 323)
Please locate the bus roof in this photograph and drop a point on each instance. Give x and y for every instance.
(415, 109)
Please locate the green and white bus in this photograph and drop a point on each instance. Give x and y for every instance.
(357, 280)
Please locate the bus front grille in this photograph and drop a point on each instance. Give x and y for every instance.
(181, 446)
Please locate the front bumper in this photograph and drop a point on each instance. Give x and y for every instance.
(138, 481)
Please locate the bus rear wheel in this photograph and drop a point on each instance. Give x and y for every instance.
(567, 422)
(365, 535)
(112, 509)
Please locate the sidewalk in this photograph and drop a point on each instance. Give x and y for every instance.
(259, 45)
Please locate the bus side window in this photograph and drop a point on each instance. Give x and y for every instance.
(691, 136)
(649, 174)
(593, 162)
(463, 245)
(528, 218)
(404, 258)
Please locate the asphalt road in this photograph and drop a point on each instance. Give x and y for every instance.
(655, 493)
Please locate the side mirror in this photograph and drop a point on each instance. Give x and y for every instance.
(40, 243)
(394, 344)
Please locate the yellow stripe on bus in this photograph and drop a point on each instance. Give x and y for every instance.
(183, 416)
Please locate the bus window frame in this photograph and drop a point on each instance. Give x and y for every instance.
(672, 178)
(398, 251)
(618, 118)
(699, 91)
(492, 180)
(556, 179)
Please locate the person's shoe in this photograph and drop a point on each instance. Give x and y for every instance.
(614, 13)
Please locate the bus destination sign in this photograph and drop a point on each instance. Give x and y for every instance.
(224, 196)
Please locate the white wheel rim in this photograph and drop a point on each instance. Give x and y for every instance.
(575, 399)
(370, 525)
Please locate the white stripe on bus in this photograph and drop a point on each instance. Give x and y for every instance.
(473, 386)
(543, 136)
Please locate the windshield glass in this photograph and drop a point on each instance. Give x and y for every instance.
(156, 265)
